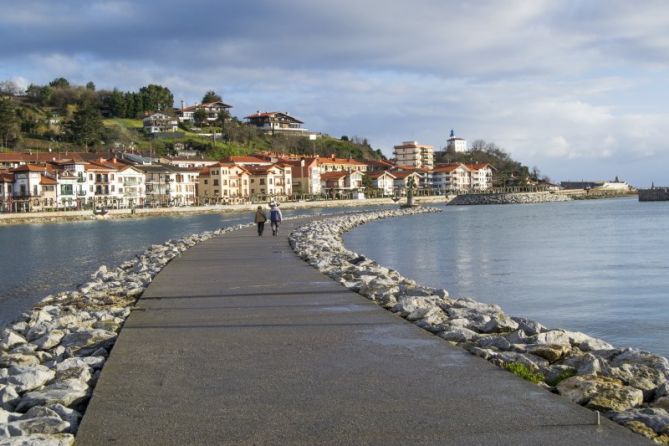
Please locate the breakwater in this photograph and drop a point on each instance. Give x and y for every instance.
(508, 198)
(627, 385)
(654, 194)
(51, 357)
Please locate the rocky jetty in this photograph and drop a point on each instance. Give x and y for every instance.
(627, 385)
(50, 358)
(509, 198)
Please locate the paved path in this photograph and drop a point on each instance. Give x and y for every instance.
(241, 342)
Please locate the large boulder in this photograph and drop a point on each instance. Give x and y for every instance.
(40, 440)
(28, 378)
(87, 338)
(600, 393)
(68, 393)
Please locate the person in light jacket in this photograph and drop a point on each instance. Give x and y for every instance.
(275, 218)
(260, 220)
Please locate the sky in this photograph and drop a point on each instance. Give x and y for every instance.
(575, 88)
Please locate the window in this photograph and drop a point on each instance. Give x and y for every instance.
(253, 180)
(215, 182)
(112, 188)
(206, 181)
(66, 189)
(225, 182)
(270, 181)
(262, 181)
(90, 176)
(111, 177)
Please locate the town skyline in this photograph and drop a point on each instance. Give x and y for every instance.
(576, 90)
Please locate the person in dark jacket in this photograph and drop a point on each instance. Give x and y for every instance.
(260, 220)
(275, 217)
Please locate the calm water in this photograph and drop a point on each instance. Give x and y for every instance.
(37, 260)
(601, 267)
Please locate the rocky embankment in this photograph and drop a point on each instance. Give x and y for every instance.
(628, 385)
(50, 358)
(510, 198)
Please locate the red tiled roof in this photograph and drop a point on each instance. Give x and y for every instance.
(47, 181)
(31, 168)
(243, 159)
(380, 174)
(447, 168)
(272, 115)
(350, 161)
(478, 166)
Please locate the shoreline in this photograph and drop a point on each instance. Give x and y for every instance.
(118, 214)
(629, 386)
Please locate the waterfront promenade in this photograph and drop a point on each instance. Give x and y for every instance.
(240, 342)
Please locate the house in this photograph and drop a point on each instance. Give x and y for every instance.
(412, 154)
(130, 190)
(273, 181)
(383, 181)
(185, 162)
(306, 175)
(34, 187)
(169, 185)
(480, 176)
(160, 123)
(277, 122)
(213, 110)
(453, 177)
(333, 164)
(401, 180)
(66, 189)
(333, 183)
(101, 182)
(225, 182)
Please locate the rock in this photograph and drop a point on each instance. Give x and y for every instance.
(66, 414)
(458, 334)
(500, 323)
(10, 339)
(530, 328)
(9, 397)
(86, 338)
(639, 376)
(635, 356)
(587, 343)
(497, 342)
(28, 378)
(67, 393)
(661, 403)
(9, 359)
(551, 337)
(41, 425)
(550, 352)
(433, 320)
(414, 307)
(616, 399)
(6, 416)
(656, 419)
(600, 393)
(49, 340)
(40, 440)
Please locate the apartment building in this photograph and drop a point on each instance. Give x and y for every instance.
(411, 153)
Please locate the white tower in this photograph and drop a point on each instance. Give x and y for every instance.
(456, 144)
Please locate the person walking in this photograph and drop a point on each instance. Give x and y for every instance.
(260, 220)
(275, 217)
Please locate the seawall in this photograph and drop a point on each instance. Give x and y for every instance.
(509, 198)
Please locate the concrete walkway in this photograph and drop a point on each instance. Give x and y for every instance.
(241, 342)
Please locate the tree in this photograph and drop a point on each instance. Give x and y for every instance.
(223, 116)
(85, 128)
(9, 122)
(211, 96)
(156, 98)
(200, 117)
(59, 82)
(90, 86)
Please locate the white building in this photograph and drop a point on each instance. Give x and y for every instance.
(410, 153)
(456, 144)
(384, 181)
(454, 177)
(160, 123)
(480, 176)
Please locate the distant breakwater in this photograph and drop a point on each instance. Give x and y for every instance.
(628, 385)
(509, 198)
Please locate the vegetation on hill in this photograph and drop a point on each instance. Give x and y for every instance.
(507, 170)
(60, 115)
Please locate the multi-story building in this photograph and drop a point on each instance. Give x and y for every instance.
(273, 180)
(336, 182)
(410, 153)
(225, 182)
(101, 176)
(480, 176)
(6, 190)
(130, 190)
(333, 164)
(169, 185)
(454, 177)
(306, 175)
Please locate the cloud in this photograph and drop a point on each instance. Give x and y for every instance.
(564, 85)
